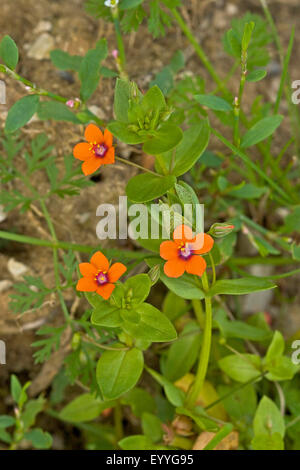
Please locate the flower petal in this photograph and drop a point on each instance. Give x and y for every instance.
(196, 265)
(93, 134)
(168, 250)
(182, 233)
(116, 271)
(87, 269)
(106, 290)
(82, 151)
(174, 267)
(203, 243)
(100, 261)
(91, 165)
(109, 157)
(86, 284)
(108, 138)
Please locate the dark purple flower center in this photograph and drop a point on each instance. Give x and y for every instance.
(101, 278)
(100, 150)
(185, 251)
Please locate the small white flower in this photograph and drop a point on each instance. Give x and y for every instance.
(111, 3)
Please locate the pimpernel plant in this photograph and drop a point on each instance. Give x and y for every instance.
(177, 337)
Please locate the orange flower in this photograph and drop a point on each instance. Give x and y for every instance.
(182, 253)
(98, 276)
(97, 151)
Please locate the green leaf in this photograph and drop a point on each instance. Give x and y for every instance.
(248, 191)
(9, 52)
(21, 112)
(5, 436)
(118, 371)
(137, 289)
(153, 100)
(89, 72)
(239, 329)
(240, 404)
(127, 4)
(152, 326)
(174, 395)
(122, 132)
(146, 187)
(151, 426)
(64, 61)
(121, 99)
(32, 409)
(292, 221)
(94, 299)
(281, 368)
(140, 401)
(213, 102)
(185, 286)
(6, 421)
(268, 442)
(194, 142)
(256, 75)
(57, 111)
(174, 306)
(183, 353)
(106, 315)
(296, 252)
(268, 419)
(166, 138)
(139, 442)
(241, 367)
(15, 388)
(261, 130)
(39, 438)
(86, 407)
(241, 286)
(276, 348)
(248, 29)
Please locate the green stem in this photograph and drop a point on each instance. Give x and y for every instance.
(293, 112)
(237, 108)
(284, 199)
(118, 421)
(205, 349)
(199, 51)
(111, 253)
(197, 306)
(41, 92)
(122, 56)
(136, 165)
(55, 260)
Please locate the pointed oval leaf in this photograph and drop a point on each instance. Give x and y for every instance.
(118, 371)
(261, 130)
(21, 112)
(146, 187)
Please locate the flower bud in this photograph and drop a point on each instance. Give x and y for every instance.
(154, 274)
(76, 340)
(220, 230)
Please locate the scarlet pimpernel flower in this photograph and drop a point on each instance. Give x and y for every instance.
(98, 276)
(182, 254)
(97, 151)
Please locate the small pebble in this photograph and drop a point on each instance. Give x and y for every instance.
(43, 27)
(5, 285)
(3, 214)
(41, 47)
(16, 268)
